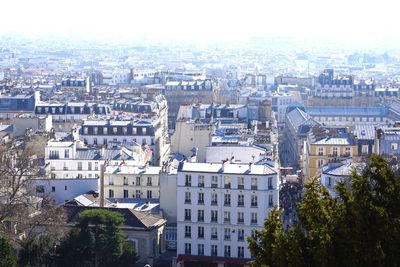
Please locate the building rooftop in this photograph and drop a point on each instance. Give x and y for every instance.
(150, 170)
(139, 220)
(344, 169)
(227, 168)
(301, 121)
(364, 132)
(347, 111)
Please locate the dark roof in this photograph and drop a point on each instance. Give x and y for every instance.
(301, 121)
(144, 221)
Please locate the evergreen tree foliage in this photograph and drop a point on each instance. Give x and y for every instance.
(7, 257)
(359, 228)
(96, 240)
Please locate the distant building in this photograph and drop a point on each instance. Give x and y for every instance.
(344, 89)
(149, 131)
(291, 80)
(297, 126)
(12, 104)
(350, 116)
(328, 145)
(388, 141)
(66, 115)
(182, 92)
(280, 102)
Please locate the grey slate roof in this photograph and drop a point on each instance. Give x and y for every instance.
(300, 120)
(95, 154)
(345, 111)
(364, 132)
(345, 169)
(134, 219)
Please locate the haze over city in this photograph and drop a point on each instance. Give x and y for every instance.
(355, 23)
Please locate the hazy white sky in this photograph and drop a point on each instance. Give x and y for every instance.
(209, 20)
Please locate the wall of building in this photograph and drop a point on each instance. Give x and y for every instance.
(188, 135)
(168, 196)
(63, 190)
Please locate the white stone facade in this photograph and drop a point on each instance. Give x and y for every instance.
(219, 205)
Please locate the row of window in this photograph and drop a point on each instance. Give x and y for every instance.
(227, 182)
(138, 193)
(60, 110)
(114, 130)
(137, 182)
(90, 166)
(115, 140)
(227, 199)
(214, 250)
(55, 154)
(227, 216)
(350, 119)
(334, 151)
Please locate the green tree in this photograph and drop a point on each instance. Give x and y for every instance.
(7, 254)
(37, 251)
(359, 228)
(96, 240)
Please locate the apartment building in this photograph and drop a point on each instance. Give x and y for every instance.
(335, 173)
(145, 131)
(65, 159)
(328, 145)
(218, 207)
(121, 181)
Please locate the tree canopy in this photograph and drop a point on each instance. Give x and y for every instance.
(96, 240)
(361, 227)
(7, 257)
